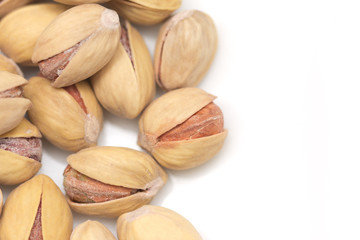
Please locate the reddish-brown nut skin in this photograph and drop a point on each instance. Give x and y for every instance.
(12, 92)
(124, 39)
(74, 92)
(206, 122)
(36, 230)
(83, 189)
(52, 67)
(26, 147)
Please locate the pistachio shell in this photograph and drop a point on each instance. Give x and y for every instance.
(96, 29)
(120, 167)
(1, 201)
(24, 129)
(10, 80)
(185, 49)
(22, 205)
(18, 38)
(124, 89)
(91, 230)
(78, 2)
(59, 116)
(145, 12)
(155, 223)
(7, 64)
(7, 6)
(169, 111)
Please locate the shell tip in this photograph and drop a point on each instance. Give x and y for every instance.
(110, 19)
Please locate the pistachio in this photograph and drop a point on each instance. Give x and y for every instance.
(185, 49)
(70, 117)
(154, 222)
(182, 129)
(12, 105)
(77, 44)
(37, 210)
(145, 12)
(20, 153)
(7, 6)
(91, 230)
(7, 64)
(126, 84)
(109, 181)
(1, 201)
(78, 2)
(18, 38)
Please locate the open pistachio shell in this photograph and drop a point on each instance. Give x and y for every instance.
(12, 109)
(91, 230)
(60, 118)
(7, 6)
(155, 223)
(145, 12)
(185, 49)
(40, 195)
(18, 38)
(169, 111)
(90, 29)
(119, 167)
(126, 84)
(7, 64)
(15, 168)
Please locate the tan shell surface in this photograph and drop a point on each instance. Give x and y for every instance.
(7, 64)
(1, 201)
(21, 207)
(185, 49)
(171, 5)
(60, 118)
(168, 111)
(25, 129)
(124, 89)
(78, 2)
(12, 111)
(7, 6)
(91, 230)
(17, 38)
(155, 223)
(10, 80)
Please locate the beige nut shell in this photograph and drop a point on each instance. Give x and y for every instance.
(120, 167)
(7, 6)
(97, 26)
(60, 118)
(185, 49)
(145, 12)
(12, 110)
(8, 65)
(21, 208)
(91, 230)
(1, 201)
(120, 87)
(155, 223)
(78, 2)
(15, 168)
(165, 113)
(18, 38)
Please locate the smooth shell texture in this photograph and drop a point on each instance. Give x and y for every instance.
(185, 49)
(120, 167)
(16, 169)
(18, 38)
(1, 201)
(91, 230)
(145, 12)
(96, 26)
(21, 207)
(78, 2)
(7, 64)
(155, 223)
(7, 6)
(60, 118)
(120, 87)
(10, 80)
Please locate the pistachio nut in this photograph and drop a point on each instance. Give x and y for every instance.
(185, 49)
(145, 12)
(155, 223)
(70, 117)
(109, 181)
(1, 201)
(78, 2)
(20, 153)
(7, 6)
(18, 37)
(126, 84)
(91, 230)
(36, 210)
(77, 44)
(7, 64)
(12, 105)
(182, 129)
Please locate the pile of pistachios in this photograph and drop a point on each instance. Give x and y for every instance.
(89, 58)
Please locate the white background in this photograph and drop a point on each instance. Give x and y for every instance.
(286, 75)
